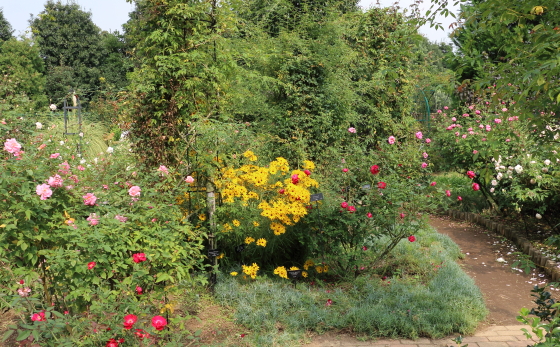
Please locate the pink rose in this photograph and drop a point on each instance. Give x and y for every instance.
(91, 265)
(121, 218)
(424, 165)
(164, 170)
(344, 204)
(351, 209)
(433, 184)
(497, 120)
(345, 170)
(391, 140)
(369, 215)
(55, 181)
(425, 155)
(189, 179)
(89, 199)
(92, 219)
(352, 130)
(55, 155)
(12, 146)
(471, 174)
(428, 140)
(459, 198)
(44, 191)
(448, 192)
(139, 257)
(475, 186)
(418, 135)
(134, 191)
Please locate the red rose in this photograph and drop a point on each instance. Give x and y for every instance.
(307, 172)
(91, 265)
(139, 290)
(381, 185)
(402, 215)
(345, 170)
(159, 322)
(374, 169)
(369, 215)
(475, 186)
(433, 184)
(351, 209)
(138, 257)
(471, 174)
(281, 191)
(141, 334)
(112, 343)
(344, 204)
(295, 179)
(448, 192)
(459, 198)
(129, 321)
(411, 238)
(364, 248)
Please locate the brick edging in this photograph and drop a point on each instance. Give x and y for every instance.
(549, 266)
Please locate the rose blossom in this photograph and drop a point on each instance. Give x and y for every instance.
(369, 215)
(424, 165)
(352, 130)
(345, 170)
(55, 181)
(92, 219)
(44, 191)
(121, 218)
(12, 146)
(344, 204)
(448, 192)
(475, 186)
(159, 322)
(428, 140)
(89, 199)
(418, 135)
(374, 169)
(425, 155)
(55, 155)
(189, 179)
(139, 257)
(134, 191)
(164, 170)
(433, 184)
(411, 238)
(381, 185)
(129, 321)
(91, 265)
(391, 140)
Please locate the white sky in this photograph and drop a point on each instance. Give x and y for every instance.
(112, 14)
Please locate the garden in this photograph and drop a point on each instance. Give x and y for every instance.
(271, 167)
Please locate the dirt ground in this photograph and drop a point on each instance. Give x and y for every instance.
(505, 290)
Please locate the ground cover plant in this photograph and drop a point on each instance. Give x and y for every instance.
(419, 291)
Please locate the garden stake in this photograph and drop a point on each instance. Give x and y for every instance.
(211, 203)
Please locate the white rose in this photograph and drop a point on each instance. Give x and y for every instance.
(533, 181)
(52, 107)
(547, 162)
(518, 168)
(494, 182)
(499, 176)
(545, 169)
(110, 149)
(492, 190)
(61, 143)
(39, 125)
(83, 161)
(538, 216)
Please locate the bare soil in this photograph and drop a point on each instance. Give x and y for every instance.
(505, 290)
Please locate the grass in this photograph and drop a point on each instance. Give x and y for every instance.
(426, 294)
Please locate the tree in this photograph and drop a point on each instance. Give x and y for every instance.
(22, 82)
(71, 47)
(6, 30)
(180, 73)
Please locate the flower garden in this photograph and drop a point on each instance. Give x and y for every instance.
(292, 190)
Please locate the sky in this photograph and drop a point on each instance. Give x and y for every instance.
(110, 15)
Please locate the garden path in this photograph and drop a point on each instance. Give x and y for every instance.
(505, 291)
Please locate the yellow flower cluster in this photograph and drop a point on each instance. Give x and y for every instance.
(281, 271)
(278, 228)
(290, 192)
(321, 269)
(249, 240)
(251, 270)
(226, 227)
(250, 155)
(308, 263)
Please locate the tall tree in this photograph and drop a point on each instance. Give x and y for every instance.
(71, 47)
(179, 75)
(6, 30)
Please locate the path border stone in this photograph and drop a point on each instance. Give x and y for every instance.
(549, 266)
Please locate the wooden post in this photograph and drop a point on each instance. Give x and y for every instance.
(211, 210)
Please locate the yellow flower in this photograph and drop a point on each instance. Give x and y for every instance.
(255, 223)
(248, 154)
(251, 270)
(226, 227)
(253, 158)
(319, 269)
(278, 228)
(307, 164)
(233, 273)
(294, 268)
(202, 217)
(281, 271)
(236, 222)
(304, 273)
(249, 240)
(325, 268)
(261, 242)
(308, 264)
(220, 256)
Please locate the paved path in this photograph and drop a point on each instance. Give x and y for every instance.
(494, 336)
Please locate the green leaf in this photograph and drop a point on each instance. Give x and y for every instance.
(7, 334)
(23, 335)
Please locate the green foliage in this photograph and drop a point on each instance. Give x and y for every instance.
(22, 81)
(72, 49)
(180, 74)
(6, 30)
(545, 326)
